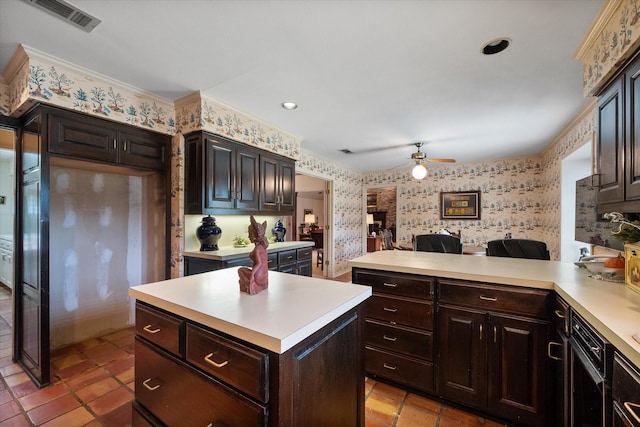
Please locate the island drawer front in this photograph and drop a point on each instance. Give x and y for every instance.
(160, 328)
(511, 299)
(626, 388)
(242, 367)
(409, 341)
(305, 254)
(407, 285)
(403, 311)
(178, 396)
(287, 257)
(404, 370)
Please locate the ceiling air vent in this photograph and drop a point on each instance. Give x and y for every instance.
(67, 12)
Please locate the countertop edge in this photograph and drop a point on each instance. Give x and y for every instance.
(226, 253)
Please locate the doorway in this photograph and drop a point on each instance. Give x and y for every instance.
(381, 217)
(575, 166)
(313, 218)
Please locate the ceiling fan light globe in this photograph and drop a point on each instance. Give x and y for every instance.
(419, 171)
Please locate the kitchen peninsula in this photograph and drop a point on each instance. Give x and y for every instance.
(488, 324)
(289, 356)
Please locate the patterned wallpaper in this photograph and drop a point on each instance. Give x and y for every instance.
(520, 196)
(615, 37)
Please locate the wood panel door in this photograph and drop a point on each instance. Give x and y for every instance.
(632, 135)
(462, 370)
(219, 174)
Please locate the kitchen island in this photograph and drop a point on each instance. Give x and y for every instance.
(291, 355)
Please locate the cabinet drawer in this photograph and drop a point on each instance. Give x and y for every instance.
(179, 396)
(240, 366)
(272, 260)
(626, 388)
(409, 341)
(240, 262)
(561, 315)
(402, 311)
(490, 297)
(305, 254)
(287, 257)
(401, 369)
(407, 285)
(160, 328)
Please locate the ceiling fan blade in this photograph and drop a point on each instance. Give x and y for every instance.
(374, 149)
(440, 160)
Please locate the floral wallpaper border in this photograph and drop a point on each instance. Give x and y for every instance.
(200, 112)
(614, 36)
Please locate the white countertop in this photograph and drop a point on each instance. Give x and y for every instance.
(290, 310)
(612, 308)
(226, 253)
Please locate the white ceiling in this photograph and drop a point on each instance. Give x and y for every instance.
(367, 75)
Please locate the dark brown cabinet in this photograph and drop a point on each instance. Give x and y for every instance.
(294, 261)
(560, 354)
(492, 349)
(90, 138)
(399, 327)
(217, 379)
(220, 175)
(277, 193)
(618, 141)
(625, 389)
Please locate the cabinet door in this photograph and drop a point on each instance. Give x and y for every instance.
(269, 193)
(247, 179)
(144, 149)
(287, 185)
(219, 175)
(632, 149)
(462, 368)
(83, 137)
(610, 144)
(519, 371)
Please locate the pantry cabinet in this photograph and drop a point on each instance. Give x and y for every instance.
(492, 349)
(625, 390)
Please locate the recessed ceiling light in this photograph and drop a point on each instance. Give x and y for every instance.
(288, 105)
(495, 46)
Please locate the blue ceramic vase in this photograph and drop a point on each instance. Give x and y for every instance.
(279, 231)
(208, 234)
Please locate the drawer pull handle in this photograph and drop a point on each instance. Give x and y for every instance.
(560, 314)
(392, 310)
(390, 285)
(551, 344)
(146, 384)
(480, 331)
(482, 297)
(631, 407)
(388, 338)
(207, 359)
(392, 368)
(151, 331)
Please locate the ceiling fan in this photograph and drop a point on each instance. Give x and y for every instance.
(419, 171)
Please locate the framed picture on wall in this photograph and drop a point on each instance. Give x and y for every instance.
(460, 205)
(372, 200)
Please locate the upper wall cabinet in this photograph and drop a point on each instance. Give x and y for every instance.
(224, 176)
(220, 175)
(89, 138)
(618, 142)
(278, 177)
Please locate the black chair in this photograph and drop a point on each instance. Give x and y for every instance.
(318, 239)
(442, 243)
(518, 248)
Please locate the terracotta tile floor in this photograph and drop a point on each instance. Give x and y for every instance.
(92, 385)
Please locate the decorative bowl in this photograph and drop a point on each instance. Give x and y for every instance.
(599, 271)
